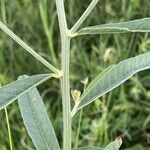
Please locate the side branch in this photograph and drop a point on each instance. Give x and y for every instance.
(84, 16)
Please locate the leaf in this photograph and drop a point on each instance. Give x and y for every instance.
(112, 78)
(37, 122)
(111, 146)
(12, 91)
(98, 77)
(140, 25)
(114, 145)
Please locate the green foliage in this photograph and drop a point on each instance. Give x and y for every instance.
(27, 48)
(114, 145)
(108, 109)
(141, 25)
(37, 121)
(113, 77)
(111, 146)
(12, 91)
(138, 147)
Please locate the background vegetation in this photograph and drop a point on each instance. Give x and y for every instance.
(124, 112)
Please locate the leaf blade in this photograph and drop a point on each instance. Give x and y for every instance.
(98, 77)
(140, 25)
(114, 77)
(114, 145)
(37, 122)
(12, 91)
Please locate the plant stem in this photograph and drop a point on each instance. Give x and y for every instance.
(28, 48)
(9, 131)
(84, 16)
(65, 53)
(78, 131)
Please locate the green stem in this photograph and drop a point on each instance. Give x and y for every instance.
(9, 131)
(28, 48)
(65, 53)
(78, 131)
(84, 16)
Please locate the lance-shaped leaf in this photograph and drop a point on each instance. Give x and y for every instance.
(141, 25)
(113, 77)
(111, 146)
(12, 91)
(37, 122)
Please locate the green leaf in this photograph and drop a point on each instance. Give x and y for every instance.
(114, 145)
(112, 78)
(111, 146)
(12, 91)
(98, 78)
(141, 25)
(37, 122)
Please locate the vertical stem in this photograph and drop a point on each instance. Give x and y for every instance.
(65, 53)
(9, 131)
(78, 131)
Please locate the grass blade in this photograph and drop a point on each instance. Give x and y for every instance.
(47, 28)
(37, 122)
(141, 25)
(27, 48)
(113, 78)
(12, 91)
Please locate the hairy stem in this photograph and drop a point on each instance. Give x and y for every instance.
(65, 50)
